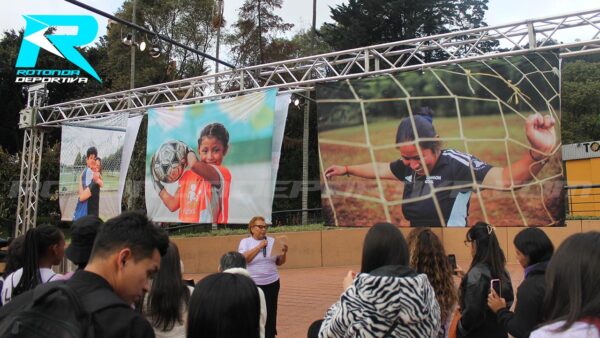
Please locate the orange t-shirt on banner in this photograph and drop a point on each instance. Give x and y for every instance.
(201, 202)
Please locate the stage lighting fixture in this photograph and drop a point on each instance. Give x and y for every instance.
(128, 40)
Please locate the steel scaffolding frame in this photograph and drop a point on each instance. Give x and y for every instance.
(302, 73)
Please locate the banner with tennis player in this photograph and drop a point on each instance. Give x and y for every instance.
(211, 162)
(445, 146)
(94, 157)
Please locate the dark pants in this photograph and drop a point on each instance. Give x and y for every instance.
(271, 295)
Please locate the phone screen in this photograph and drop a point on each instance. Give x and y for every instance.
(452, 260)
(496, 286)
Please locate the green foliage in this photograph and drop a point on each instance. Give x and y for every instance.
(9, 183)
(580, 100)
(367, 22)
(253, 39)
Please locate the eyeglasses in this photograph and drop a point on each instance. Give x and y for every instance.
(467, 242)
(261, 227)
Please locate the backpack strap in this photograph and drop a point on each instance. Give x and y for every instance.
(44, 290)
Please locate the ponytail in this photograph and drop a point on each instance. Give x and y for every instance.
(37, 243)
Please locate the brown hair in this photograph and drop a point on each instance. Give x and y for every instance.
(253, 221)
(427, 255)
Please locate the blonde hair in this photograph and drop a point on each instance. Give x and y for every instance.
(253, 221)
(427, 255)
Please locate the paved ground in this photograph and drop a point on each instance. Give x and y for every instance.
(307, 293)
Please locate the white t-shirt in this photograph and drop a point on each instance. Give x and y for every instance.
(577, 330)
(263, 268)
(13, 279)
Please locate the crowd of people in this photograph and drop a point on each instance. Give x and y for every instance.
(129, 281)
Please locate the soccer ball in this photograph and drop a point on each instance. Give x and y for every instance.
(169, 161)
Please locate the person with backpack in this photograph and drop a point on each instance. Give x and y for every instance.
(96, 301)
(43, 247)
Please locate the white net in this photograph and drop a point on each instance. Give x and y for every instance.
(480, 109)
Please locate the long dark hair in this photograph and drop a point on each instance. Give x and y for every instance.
(487, 249)
(427, 255)
(14, 257)
(224, 305)
(534, 244)
(384, 245)
(169, 293)
(37, 244)
(423, 120)
(573, 280)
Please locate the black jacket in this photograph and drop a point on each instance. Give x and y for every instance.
(477, 320)
(528, 310)
(119, 321)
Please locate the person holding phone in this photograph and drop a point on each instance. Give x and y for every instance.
(489, 263)
(533, 249)
(262, 266)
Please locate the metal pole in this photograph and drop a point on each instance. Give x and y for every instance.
(305, 138)
(314, 26)
(133, 46)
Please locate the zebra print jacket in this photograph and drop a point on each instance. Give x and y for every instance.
(375, 301)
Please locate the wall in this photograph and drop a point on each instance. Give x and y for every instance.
(340, 247)
(584, 202)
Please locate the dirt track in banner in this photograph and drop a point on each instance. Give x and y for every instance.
(539, 204)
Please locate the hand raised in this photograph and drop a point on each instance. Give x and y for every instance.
(541, 133)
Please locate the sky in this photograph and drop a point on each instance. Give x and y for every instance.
(299, 12)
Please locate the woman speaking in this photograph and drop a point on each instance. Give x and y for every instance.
(262, 265)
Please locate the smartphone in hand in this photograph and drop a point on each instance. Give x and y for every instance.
(496, 285)
(452, 260)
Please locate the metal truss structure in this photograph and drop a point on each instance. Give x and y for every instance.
(302, 73)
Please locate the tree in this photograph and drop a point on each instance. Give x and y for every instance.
(580, 102)
(253, 39)
(368, 22)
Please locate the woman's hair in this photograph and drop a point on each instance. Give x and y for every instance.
(253, 221)
(217, 131)
(423, 120)
(534, 244)
(224, 305)
(427, 255)
(38, 242)
(169, 293)
(14, 256)
(384, 245)
(487, 249)
(573, 280)
(98, 159)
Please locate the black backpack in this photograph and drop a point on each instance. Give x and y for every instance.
(55, 310)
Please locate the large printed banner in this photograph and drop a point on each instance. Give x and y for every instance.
(94, 158)
(444, 146)
(212, 162)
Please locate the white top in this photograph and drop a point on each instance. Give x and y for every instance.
(577, 330)
(261, 295)
(263, 268)
(13, 279)
(178, 330)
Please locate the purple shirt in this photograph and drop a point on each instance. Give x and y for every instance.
(263, 269)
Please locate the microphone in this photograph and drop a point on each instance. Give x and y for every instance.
(264, 250)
